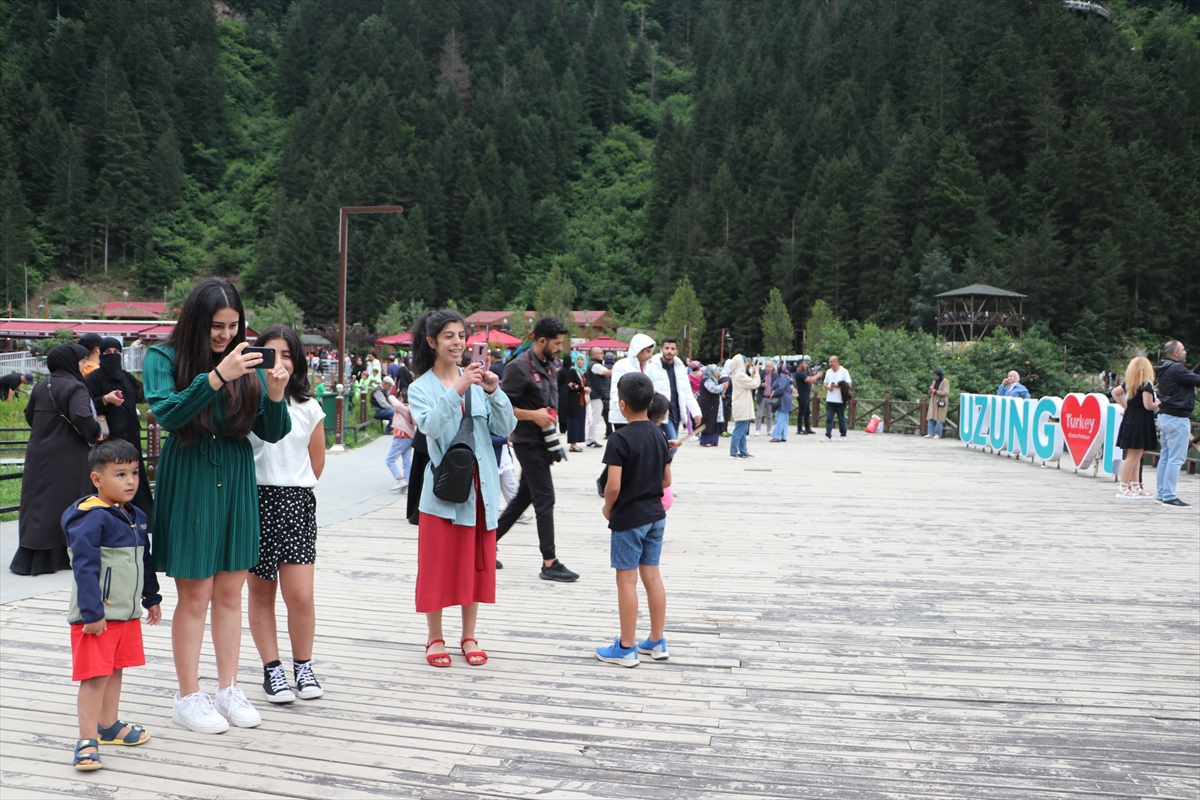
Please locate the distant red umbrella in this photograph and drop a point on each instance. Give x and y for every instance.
(397, 339)
(604, 343)
(495, 337)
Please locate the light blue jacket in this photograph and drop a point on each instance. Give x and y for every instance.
(1013, 390)
(437, 412)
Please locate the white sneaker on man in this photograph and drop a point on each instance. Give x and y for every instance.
(400, 485)
(196, 713)
(233, 705)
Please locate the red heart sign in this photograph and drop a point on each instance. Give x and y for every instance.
(1082, 427)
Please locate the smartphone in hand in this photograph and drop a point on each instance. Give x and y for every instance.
(479, 354)
(268, 356)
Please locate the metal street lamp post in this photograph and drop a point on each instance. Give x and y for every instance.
(339, 425)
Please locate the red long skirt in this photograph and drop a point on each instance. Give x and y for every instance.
(456, 564)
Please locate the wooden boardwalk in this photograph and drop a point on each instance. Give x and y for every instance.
(891, 617)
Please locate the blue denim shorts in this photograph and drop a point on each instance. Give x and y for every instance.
(639, 546)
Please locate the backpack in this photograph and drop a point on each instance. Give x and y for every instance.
(454, 476)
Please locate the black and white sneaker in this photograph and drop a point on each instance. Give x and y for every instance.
(275, 684)
(307, 687)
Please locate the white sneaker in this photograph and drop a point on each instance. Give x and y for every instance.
(927, 436)
(399, 486)
(233, 705)
(525, 518)
(756, 433)
(826, 439)
(196, 713)
(842, 439)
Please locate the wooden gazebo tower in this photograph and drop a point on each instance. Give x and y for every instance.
(973, 312)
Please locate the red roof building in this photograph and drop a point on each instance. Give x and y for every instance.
(131, 310)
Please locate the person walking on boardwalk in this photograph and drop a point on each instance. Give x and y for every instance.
(532, 387)
(287, 472)
(683, 403)
(599, 378)
(210, 394)
(939, 405)
(456, 541)
(803, 377)
(711, 391)
(742, 385)
(837, 395)
(62, 426)
(782, 395)
(1137, 433)
(763, 396)
(1177, 391)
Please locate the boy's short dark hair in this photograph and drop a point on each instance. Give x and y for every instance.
(549, 328)
(636, 390)
(670, 339)
(659, 406)
(113, 451)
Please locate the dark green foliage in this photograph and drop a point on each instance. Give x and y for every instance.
(821, 149)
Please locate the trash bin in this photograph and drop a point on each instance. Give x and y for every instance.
(329, 406)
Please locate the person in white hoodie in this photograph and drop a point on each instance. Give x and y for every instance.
(743, 385)
(637, 359)
(679, 389)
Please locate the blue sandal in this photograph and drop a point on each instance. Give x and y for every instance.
(86, 762)
(137, 734)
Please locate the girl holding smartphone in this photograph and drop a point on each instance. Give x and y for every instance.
(210, 395)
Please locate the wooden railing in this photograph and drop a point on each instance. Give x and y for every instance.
(899, 416)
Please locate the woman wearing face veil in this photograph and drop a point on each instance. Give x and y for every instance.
(62, 426)
(120, 413)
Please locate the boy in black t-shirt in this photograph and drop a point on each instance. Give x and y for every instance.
(638, 471)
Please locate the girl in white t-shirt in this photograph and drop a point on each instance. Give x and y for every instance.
(287, 471)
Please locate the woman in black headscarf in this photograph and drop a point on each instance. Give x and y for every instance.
(63, 426)
(115, 394)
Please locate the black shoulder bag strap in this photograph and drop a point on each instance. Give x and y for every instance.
(57, 410)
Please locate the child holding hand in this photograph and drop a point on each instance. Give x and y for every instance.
(113, 579)
(638, 472)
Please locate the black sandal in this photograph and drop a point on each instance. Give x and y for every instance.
(86, 762)
(137, 734)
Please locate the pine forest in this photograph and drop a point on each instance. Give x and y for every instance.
(867, 153)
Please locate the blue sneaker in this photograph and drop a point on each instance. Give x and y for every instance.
(656, 650)
(615, 654)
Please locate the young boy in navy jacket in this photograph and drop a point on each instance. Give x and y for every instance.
(109, 543)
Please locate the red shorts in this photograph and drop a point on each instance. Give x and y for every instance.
(118, 646)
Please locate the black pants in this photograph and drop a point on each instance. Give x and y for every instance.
(416, 477)
(804, 415)
(536, 487)
(830, 410)
(608, 428)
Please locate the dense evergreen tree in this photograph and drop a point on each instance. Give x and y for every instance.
(828, 150)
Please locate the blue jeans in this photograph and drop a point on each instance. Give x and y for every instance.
(781, 426)
(401, 449)
(668, 428)
(1173, 435)
(830, 410)
(737, 443)
(934, 427)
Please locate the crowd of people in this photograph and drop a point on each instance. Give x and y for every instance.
(234, 504)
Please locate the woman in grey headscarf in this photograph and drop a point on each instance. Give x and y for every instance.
(711, 390)
(63, 426)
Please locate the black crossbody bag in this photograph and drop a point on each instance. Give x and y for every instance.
(454, 476)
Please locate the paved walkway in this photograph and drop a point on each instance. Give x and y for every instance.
(890, 617)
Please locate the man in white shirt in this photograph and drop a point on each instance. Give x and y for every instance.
(641, 347)
(597, 378)
(679, 393)
(835, 403)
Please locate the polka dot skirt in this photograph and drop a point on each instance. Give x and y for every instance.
(288, 517)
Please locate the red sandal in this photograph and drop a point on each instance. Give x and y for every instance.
(476, 658)
(437, 659)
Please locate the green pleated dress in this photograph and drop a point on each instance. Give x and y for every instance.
(206, 495)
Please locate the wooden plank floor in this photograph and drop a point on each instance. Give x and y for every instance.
(890, 617)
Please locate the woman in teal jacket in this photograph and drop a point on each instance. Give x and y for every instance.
(456, 542)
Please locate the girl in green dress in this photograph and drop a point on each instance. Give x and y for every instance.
(209, 394)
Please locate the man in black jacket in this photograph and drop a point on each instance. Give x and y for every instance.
(1177, 395)
(531, 383)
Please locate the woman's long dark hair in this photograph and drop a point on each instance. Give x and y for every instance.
(193, 356)
(297, 389)
(430, 324)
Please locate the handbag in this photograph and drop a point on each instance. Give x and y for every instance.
(57, 410)
(455, 474)
(776, 402)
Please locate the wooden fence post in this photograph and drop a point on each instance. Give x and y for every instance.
(924, 413)
(851, 413)
(887, 412)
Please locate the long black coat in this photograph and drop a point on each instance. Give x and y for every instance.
(56, 460)
(570, 389)
(124, 423)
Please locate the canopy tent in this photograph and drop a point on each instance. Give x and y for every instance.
(495, 337)
(314, 340)
(604, 343)
(403, 339)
